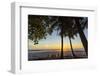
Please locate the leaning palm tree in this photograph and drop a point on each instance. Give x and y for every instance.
(81, 23)
(70, 36)
(69, 30)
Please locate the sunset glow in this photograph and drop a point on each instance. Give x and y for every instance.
(53, 42)
(66, 47)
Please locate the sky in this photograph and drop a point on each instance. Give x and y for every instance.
(54, 42)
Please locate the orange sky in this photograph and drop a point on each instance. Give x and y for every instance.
(55, 46)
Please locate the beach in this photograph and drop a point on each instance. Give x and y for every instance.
(54, 54)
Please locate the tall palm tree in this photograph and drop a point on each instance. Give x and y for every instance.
(69, 31)
(81, 23)
(55, 24)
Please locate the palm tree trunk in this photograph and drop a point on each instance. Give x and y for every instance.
(61, 47)
(62, 43)
(82, 36)
(71, 47)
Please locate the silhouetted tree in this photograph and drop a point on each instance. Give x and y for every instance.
(81, 24)
(36, 28)
(69, 30)
(55, 24)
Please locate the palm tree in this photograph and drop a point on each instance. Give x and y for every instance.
(55, 24)
(70, 36)
(71, 47)
(81, 23)
(69, 31)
